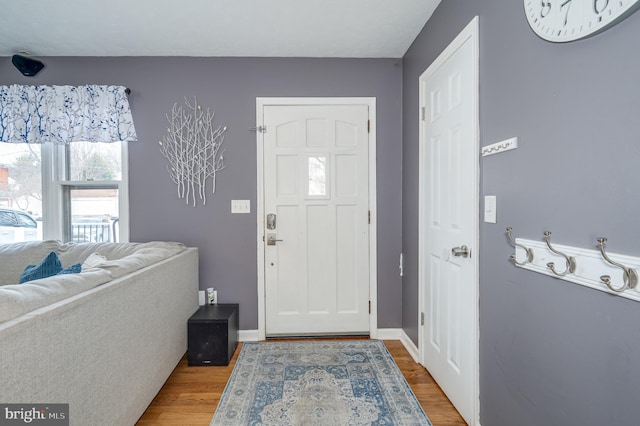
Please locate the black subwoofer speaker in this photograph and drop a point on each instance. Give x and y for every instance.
(212, 334)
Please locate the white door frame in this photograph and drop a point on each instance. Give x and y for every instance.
(373, 272)
(469, 32)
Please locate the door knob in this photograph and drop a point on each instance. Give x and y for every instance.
(271, 239)
(461, 251)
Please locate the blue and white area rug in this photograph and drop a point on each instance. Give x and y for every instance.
(353, 382)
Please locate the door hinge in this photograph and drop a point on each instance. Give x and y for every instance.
(421, 318)
(424, 113)
(368, 126)
(369, 307)
(369, 217)
(259, 129)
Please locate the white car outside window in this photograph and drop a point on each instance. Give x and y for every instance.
(17, 226)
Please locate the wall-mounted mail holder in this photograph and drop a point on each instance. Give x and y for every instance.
(598, 269)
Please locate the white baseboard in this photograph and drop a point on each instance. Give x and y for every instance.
(248, 335)
(399, 334)
(387, 334)
(410, 346)
(381, 333)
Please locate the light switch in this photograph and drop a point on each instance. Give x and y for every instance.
(240, 206)
(490, 208)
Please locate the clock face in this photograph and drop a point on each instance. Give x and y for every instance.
(568, 20)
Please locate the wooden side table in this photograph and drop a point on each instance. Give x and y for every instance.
(212, 333)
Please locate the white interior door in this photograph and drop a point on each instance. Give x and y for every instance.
(316, 203)
(449, 221)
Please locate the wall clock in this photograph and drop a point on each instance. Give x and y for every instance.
(567, 20)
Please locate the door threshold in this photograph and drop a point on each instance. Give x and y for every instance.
(323, 336)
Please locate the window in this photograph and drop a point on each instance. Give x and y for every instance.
(317, 175)
(75, 192)
(92, 191)
(20, 193)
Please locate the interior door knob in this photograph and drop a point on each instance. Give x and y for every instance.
(462, 251)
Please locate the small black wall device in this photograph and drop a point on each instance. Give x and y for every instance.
(27, 66)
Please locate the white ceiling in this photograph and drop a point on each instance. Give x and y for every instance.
(272, 28)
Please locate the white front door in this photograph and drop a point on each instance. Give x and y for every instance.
(316, 230)
(448, 269)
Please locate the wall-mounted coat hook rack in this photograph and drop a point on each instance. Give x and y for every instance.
(571, 261)
(596, 269)
(528, 252)
(630, 276)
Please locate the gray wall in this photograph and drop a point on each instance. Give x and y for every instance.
(230, 86)
(551, 352)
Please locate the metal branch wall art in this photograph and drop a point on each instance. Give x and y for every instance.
(193, 147)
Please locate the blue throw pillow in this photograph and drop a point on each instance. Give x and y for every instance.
(47, 267)
(73, 269)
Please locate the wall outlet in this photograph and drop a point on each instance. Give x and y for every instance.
(240, 206)
(212, 296)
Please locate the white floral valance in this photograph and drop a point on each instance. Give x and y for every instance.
(64, 114)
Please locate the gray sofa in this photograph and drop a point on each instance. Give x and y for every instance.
(105, 340)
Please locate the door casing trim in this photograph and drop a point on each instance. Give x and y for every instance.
(373, 272)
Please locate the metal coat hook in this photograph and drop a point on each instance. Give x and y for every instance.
(528, 251)
(630, 275)
(571, 261)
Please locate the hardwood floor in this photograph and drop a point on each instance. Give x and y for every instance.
(190, 395)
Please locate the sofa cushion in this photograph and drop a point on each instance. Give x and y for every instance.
(15, 256)
(94, 259)
(121, 259)
(18, 299)
(47, 267)
(145, 254)
(79, 252)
